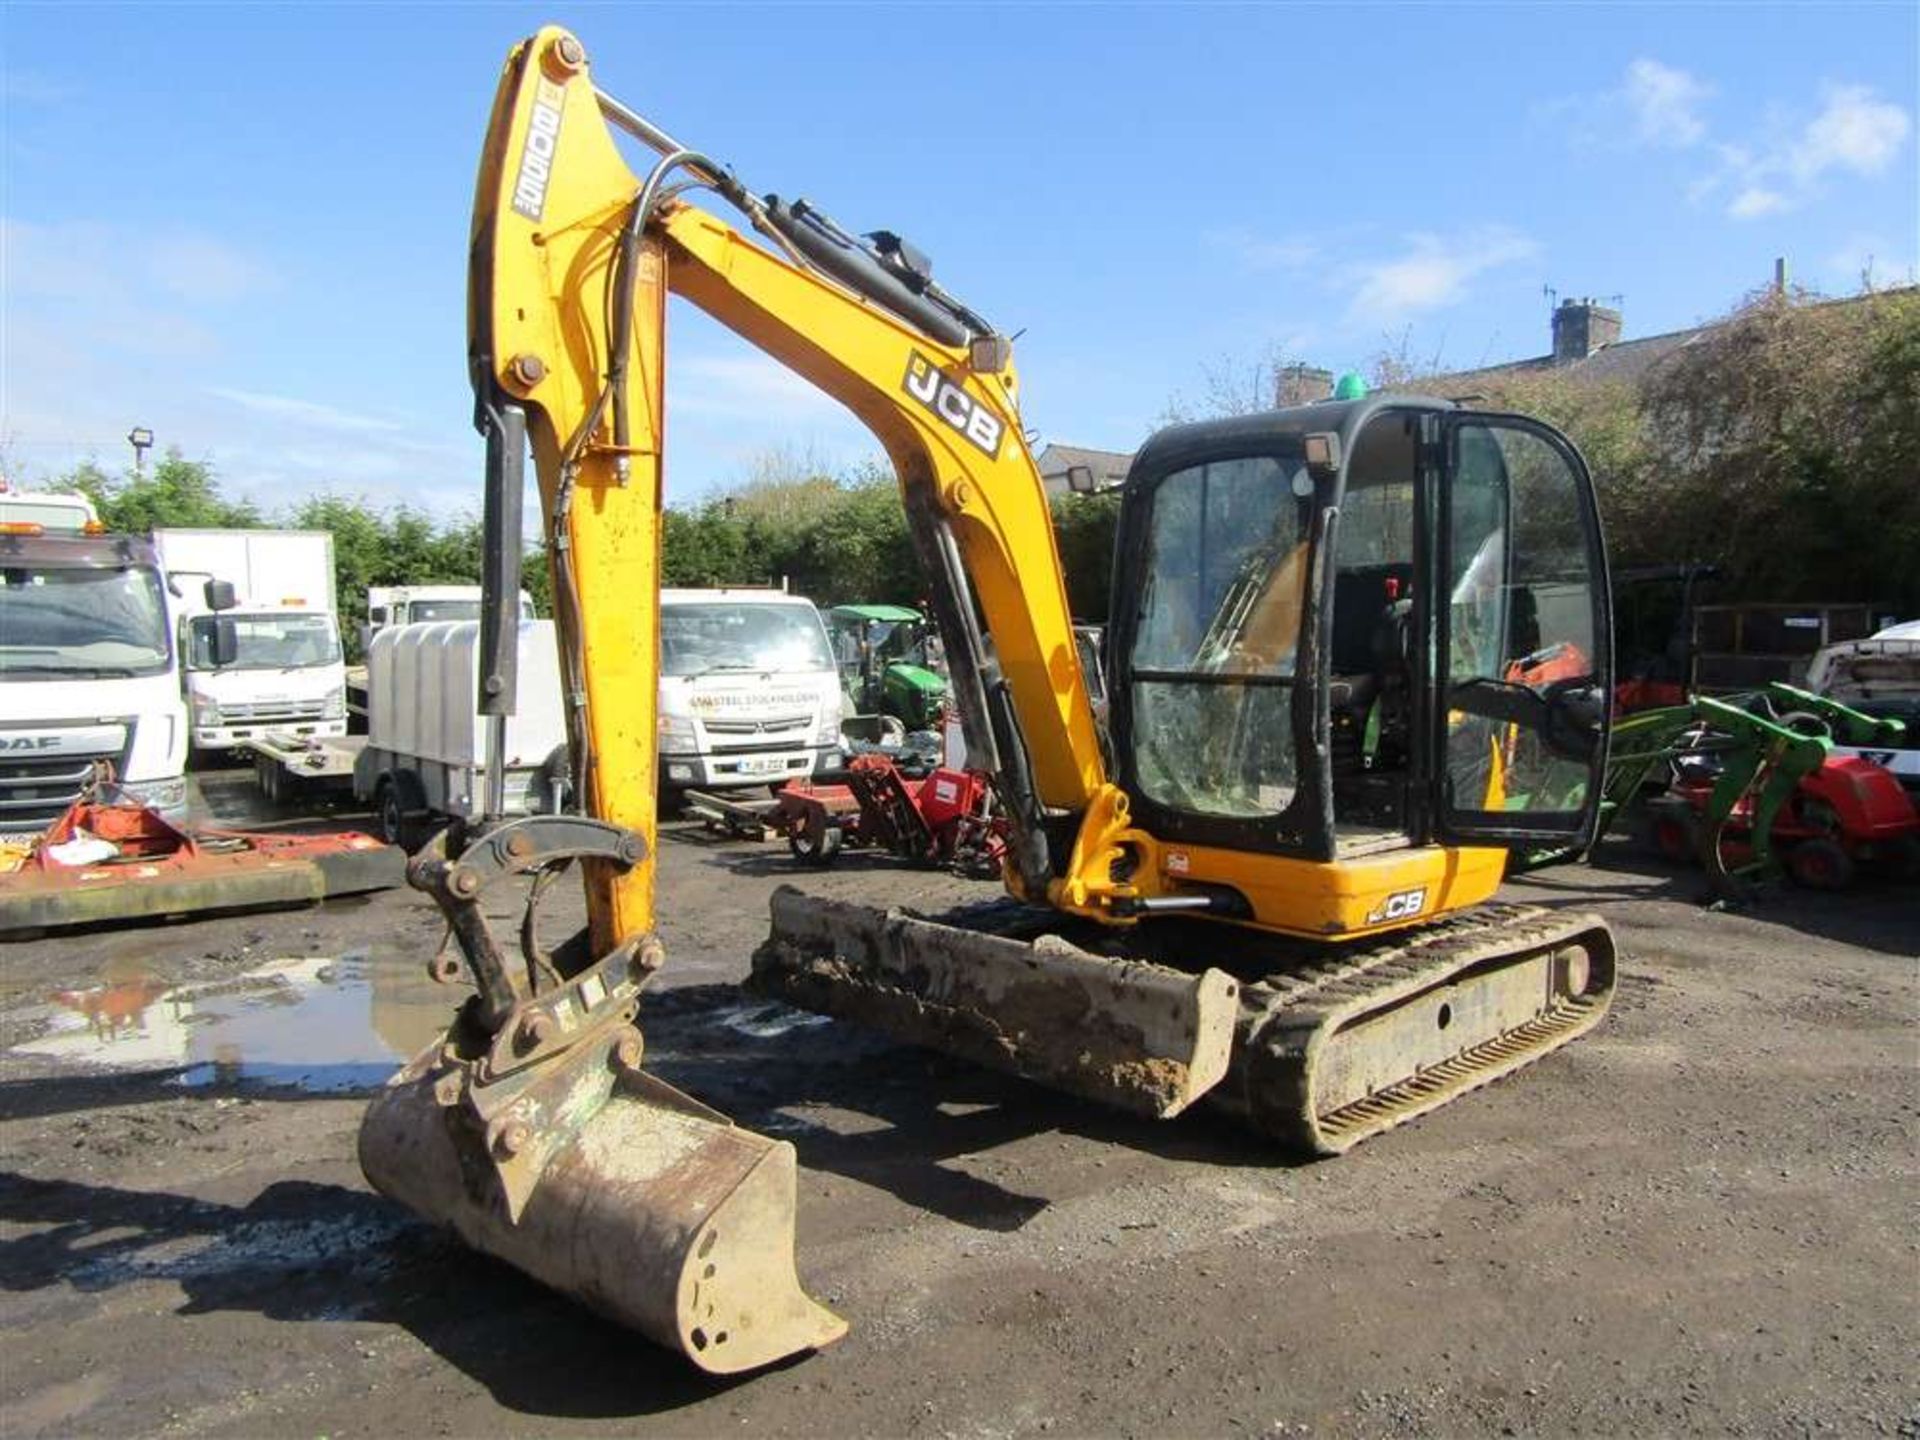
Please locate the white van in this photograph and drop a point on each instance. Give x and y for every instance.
(749, 694)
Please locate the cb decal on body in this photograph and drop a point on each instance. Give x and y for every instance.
(1402, 905)
(961, 411)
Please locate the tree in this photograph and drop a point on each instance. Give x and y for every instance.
(1789, 438)
(1083, 528)
(178, 492)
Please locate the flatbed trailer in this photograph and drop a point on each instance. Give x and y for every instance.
(285, 764)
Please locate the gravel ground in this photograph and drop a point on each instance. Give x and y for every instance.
(1699, 1219)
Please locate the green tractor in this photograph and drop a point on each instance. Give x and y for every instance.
(890, 663)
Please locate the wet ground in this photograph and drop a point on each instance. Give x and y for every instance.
(1700, 1219)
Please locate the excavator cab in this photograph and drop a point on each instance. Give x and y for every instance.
(1357, 627)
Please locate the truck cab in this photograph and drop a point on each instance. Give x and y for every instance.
(749, 693)
(258, 636)
(88, 668)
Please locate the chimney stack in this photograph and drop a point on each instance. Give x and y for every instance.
(1581, 327)
(1301, 385)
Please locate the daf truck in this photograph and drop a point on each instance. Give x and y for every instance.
(88, 666)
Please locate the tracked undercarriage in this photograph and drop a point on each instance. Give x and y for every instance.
(1320, 1050)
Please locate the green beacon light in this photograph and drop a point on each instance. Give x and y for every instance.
(1351, 387)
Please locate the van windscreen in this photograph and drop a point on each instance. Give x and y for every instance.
(696, 639)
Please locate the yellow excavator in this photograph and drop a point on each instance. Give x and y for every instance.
(1357, 658)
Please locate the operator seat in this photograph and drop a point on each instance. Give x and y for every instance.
(1368, 654)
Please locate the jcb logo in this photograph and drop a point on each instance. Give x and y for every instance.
(934, 390)
(1403, 906)
(536, 159)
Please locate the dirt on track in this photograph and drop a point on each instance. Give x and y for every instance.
(1699, 1219)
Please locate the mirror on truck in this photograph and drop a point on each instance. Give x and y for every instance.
(225, 644)
(220, 596)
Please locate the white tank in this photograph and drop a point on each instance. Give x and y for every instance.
(421, 686)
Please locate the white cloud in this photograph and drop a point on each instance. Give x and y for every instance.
(1432, 272)
(1756, 200)
(1867, 257)
(94, 263)
(203, 270)
(1656, 104)
(747, 386)
(307, 412)
(1664, 103)
(1256, 252)
(1856, 131)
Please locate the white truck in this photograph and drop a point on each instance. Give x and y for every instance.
(1879, 676)
(270, 659)
(417, 604)
(749, 694)
(87, 663)
(427, 753)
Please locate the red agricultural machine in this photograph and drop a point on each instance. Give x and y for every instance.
(944, 819)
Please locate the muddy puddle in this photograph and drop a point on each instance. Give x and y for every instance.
(328, 1024)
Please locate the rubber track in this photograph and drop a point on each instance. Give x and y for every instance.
(1287, 1019)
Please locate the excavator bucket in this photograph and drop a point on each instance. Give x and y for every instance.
(636, 1200)
(531, 1130)
(1143, 1037)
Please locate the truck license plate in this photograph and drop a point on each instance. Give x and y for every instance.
(771, 765)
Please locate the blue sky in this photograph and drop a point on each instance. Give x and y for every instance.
(244, 226)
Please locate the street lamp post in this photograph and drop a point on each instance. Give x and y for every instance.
(141, 439)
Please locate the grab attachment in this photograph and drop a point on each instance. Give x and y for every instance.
(531, 1130)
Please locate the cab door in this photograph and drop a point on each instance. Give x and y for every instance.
(1522, 638)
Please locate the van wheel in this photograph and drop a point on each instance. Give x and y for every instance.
(397, 826)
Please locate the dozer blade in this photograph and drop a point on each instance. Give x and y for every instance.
(1143, 1037)
(618, 1190)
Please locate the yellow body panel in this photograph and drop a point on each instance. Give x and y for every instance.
(1351, 899)
(547, 300)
